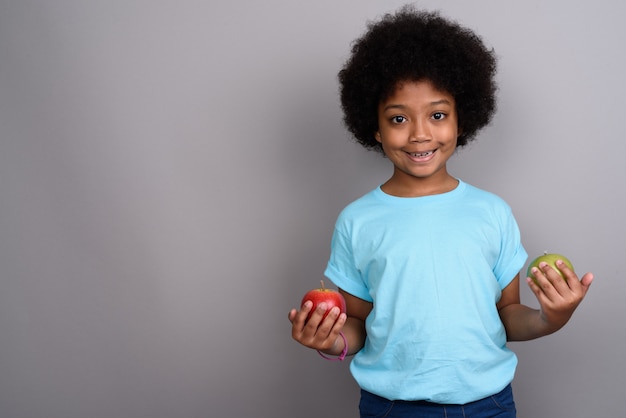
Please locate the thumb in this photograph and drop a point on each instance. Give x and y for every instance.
(292, 315)
(586, 280)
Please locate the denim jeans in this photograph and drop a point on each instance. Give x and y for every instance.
(500, 405)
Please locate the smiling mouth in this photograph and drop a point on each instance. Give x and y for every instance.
(421, 154)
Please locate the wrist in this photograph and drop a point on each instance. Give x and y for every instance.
(549, 325)
(344, 351)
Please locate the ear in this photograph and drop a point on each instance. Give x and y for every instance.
(378, 137)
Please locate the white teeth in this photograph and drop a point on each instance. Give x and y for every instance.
(423, 154)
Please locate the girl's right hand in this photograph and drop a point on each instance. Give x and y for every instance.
(318, 334)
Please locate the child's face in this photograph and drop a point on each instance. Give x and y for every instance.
(418, 130)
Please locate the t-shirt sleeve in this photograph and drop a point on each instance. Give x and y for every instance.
(512, 254)
(341, 268)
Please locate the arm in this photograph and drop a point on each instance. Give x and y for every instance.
(324, 335)
(558, 299)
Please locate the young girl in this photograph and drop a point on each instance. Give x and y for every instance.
(428, 265)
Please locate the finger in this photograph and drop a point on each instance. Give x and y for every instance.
(328, 331)
(567, 272)
(292, 315)
(575, 284)
(312, 318)
(317, 331)
(542, 281)
(586, 281)
(549, 272)
(341, 321)
(558, 282)
(333, 322)
(305, 323)
(299, 318)
(534, 287)
(338, 325)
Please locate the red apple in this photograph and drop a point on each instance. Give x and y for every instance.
(551, 260)
(331, 297)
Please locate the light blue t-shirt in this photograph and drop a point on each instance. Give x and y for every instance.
(434, 268)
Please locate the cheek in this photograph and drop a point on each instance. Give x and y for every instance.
(452, 134)
(382, 147)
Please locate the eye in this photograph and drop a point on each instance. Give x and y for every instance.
(439, 115)
(398, 119)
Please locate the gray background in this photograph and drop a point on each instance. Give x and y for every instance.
(170, 172)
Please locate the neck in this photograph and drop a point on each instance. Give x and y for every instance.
(418, 187)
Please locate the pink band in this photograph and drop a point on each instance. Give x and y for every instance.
(343, 353)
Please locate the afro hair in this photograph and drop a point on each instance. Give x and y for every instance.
(413, 45)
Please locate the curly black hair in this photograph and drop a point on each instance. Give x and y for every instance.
(413, 45)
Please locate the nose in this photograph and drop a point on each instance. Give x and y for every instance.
(420, 132)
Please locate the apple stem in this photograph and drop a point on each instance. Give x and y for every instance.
(322, 282)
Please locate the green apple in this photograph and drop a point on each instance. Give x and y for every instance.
(551, 260)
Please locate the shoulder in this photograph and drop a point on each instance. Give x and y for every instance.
(362, 211)
(362, 204)
(478, 195)
(488, 203)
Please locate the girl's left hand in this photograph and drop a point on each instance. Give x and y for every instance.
(558, 296)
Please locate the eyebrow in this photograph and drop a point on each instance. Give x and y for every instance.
(435, 103)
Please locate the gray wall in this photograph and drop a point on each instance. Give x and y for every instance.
(170, 172)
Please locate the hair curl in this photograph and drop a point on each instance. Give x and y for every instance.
(417, 45)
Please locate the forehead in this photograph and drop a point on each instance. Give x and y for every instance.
(417, 91)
